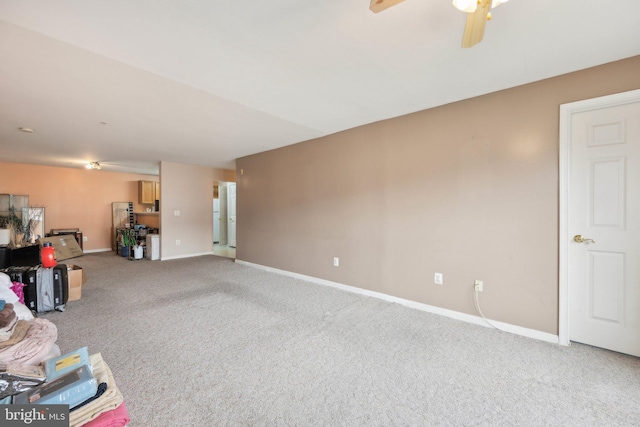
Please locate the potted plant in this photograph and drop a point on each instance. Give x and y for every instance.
(128, 241)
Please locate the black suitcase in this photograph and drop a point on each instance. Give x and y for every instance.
(51, 288)
(46, 289)
(61, 284)
(17, 274)
(29, 278)
(26, 275)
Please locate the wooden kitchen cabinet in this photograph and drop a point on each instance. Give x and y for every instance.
(148, 192)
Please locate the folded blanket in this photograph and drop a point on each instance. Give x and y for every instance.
(119, 417)
(7, 331)
(6, 311)
(7, 320)
(102, 387)
(110, 399)
(19, 332)
(35, 346)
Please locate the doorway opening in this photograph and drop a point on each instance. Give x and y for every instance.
(224, 219)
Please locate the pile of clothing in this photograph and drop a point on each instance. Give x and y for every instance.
(7, 317)
(30, 361)
(24, 339)
(108, 409)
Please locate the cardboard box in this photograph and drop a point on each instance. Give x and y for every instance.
(77, 278)
(65, 245)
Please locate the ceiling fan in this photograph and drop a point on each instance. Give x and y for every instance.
(478, 13)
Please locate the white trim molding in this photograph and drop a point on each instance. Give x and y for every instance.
(185, 256)
(566, 112)
(91, 251)
(476, 320)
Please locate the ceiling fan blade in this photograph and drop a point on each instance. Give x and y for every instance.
(380, 5)
(476, 21)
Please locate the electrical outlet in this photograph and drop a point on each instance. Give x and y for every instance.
(336, 262)
(478, 285)
(176, 213)
(438, 278)
(177, 242)
(85, 238)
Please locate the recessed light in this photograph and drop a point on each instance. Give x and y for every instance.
(27, 130)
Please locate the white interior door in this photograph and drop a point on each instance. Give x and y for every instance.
(603, 207)
(222, 196)
(216, 221)
(231, 206)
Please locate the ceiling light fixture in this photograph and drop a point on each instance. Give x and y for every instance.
(94, 166)
(27, 130)
(470, 6)
(478, 13)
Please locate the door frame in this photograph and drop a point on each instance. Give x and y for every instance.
(566, 112)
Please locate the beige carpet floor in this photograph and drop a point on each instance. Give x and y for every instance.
(204, 341)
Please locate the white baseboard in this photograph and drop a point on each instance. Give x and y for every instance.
(91, 251)
(476, 320)
(162, 258)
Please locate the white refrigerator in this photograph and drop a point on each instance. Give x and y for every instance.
(153, 247)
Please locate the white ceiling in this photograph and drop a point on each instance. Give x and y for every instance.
(207, 81)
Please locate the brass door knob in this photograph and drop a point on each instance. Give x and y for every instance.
(578, 238)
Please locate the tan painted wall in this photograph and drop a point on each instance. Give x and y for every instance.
(79, 198)
(469, 190)
(188, 189)
(74, 198)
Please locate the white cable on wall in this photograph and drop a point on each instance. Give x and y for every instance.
(477, 304)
